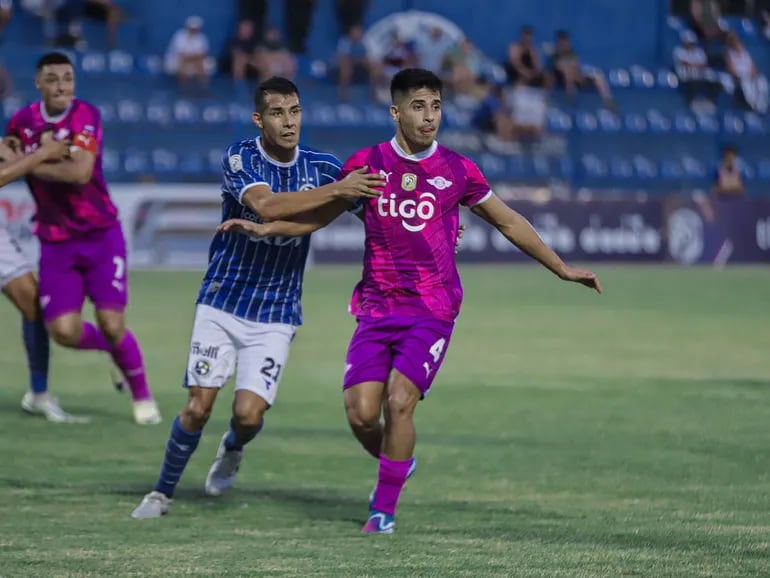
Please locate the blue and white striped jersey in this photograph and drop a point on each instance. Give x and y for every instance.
(261, 279)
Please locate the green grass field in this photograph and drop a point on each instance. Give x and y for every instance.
(567, 435)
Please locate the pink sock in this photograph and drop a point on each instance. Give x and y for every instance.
(93, 339)
(128, 357)
(390, 481)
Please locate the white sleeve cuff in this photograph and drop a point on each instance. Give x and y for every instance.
(247, 187)
(484, 198)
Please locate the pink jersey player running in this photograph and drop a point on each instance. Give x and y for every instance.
(82, 249)
(410, 292)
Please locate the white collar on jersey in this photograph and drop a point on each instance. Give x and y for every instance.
(271, 160)
(53, 119)
(415, 157)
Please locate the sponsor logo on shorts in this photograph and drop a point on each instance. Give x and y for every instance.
(202, 367)
(209, 352)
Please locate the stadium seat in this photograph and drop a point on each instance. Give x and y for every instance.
(558, 120)
(667, 79)
(707, 123)
(754, 123)
(494, 166)
(763, 169)
(621, 168)
(586, 121)
(192, 164)
(685, 123)
(644, 167)
(635, 123)
(541, 166)
(136, 162)
(619, 78)
(671, 169)
(159, 113)
(215, 114)
(120, 62)
(693, 168)
(608, 121)
(657, 121)
(641, 77)
(732, 124)
(186, 111)
(110, 161)
(149, 64)
(93, 63)
(130, 111)
(594, 166)
(164, 161)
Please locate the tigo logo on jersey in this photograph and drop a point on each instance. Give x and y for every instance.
(409, 182)
(408, 209)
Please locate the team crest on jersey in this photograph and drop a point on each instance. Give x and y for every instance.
(439, 183)
(409, 181)
(236, 163)
(307, 187)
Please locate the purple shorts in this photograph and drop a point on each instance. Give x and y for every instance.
(93, 266)
(415, 346)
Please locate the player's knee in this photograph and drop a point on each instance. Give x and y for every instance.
(22, 291)
(362, 413)
(248, 413)
(401, 401)
(113, 327)
(196, 413)
(66, 331)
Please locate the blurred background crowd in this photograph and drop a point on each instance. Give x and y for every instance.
(615, 96)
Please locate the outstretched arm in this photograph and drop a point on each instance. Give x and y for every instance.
(303, 225)
(518, 231)
(272, 206)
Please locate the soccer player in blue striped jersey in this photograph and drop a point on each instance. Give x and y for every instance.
(248, 307)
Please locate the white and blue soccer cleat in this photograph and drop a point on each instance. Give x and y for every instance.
(409, 474)
(379, 523)
(48, 406)
(153, 505)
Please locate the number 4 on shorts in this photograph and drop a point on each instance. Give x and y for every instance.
(437, 349)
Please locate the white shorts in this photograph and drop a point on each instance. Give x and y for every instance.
(223, 344)
(13, 263)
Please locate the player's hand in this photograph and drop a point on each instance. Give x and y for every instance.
(460, 232)
(7, 153)
(14, 143)
(582, 276)
(244, 227)
(361, 183)
(53, 149)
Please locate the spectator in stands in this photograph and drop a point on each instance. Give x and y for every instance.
(524, 67)
(397, 55)
(255, 11)
(728, 182)
(353, 61)
(188, 54)
(6, 11)
(695, 76)
(571, 75)
(6, 83)
(110, 13)
(299, 16)
(492, 116)
(350, 13)
(464, 64)
(240, 58)
(274, 58)
(751, 88)
(432, 49)
(705, 17)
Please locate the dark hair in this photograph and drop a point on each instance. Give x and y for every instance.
(273, 85)
(409, 79)
(53, 58)
(562, 34)
(729, 149)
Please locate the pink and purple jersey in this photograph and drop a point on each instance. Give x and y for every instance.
(409, 260)
(65, 210)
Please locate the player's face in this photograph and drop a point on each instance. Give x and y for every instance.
(280, 120)
(418, 116)
(56, 83)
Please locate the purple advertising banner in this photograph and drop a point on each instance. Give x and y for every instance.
(683, 230)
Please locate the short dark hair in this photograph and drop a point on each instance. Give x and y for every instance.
(562, 34)
(409, 79)
(273, 85)
(53, 58)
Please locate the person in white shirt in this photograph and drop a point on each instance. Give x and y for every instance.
(752, 87)
(695, 76)
(188, 54)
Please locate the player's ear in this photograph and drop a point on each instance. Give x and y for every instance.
(257, 119)
(394, 112)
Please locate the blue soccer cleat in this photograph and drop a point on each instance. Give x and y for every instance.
(409, 474)
(379, 523)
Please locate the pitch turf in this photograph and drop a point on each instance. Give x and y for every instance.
(567, 435)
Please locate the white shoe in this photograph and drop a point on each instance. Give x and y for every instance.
(153, 505)
(224, 469)
(48, 406)
(146, 412)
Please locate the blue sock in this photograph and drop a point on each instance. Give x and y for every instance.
(180, 446)
(38, 352)
(233, 441)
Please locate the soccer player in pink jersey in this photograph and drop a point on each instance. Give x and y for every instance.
(82, 249)
(410, 292)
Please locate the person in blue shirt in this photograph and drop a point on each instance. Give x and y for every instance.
(248, 307)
